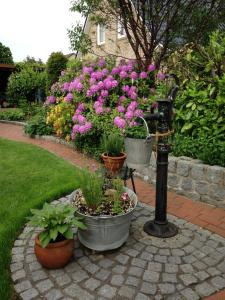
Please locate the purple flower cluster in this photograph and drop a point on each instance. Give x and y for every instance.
(81, 126)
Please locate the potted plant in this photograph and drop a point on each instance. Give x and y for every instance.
(106, 207)
(113, 156)
(138, 146)
(54, 244)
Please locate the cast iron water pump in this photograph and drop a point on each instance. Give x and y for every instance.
(160, 227)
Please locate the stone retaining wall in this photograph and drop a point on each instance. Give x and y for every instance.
(192, 178)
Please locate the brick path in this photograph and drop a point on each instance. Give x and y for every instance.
(206, 216)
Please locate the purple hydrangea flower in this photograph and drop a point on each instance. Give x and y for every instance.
(122, 98)
(138, 113)
(51, 99)
(99, 110)
(129, 115)
(123, 74)
(69, 97)
(151, 68)
(161, 76)
(115, 71)
(81, 119)
(121, 109)
(126, 88)
(133, 75)
(119, 122)
(101, 62)
(143, 75)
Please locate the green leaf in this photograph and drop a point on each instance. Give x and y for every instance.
(53, 233)
(44, 239)
(62, 228)
(68, 234)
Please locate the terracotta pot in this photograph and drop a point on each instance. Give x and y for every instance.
(55, 255)
(112, 163)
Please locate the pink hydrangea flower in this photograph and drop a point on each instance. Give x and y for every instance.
(69, 97)
(151, 68)
(138, 113)
(129, 115)
(101, 62)
(134, 75)
(51, 99)
(121, 109)
(81, 119)
(143, 75)
(123, 75)
(161, 76)
(119, 122)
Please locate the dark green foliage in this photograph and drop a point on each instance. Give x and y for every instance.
(12, 114)
(55, 64)
(37, 126)
(25, 84)
(209, 150)
(5, 55)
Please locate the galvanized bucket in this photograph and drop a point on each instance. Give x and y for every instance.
(106, 232)
(139, 150)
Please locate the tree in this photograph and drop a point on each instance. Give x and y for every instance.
(154, 28)
(55, 64)
(5, 55)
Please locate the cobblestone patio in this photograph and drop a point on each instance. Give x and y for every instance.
(189, 266)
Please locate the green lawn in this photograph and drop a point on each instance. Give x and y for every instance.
(29, 176)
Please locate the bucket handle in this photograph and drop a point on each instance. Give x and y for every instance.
(148, 136)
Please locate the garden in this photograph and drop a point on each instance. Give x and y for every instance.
(96, 105)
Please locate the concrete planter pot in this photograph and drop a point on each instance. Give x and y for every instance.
(106, 232)
(138, 152)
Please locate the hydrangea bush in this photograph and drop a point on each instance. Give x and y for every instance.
(101, 97)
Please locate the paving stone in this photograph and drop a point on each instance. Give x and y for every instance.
(53, 295)
(151, 276)
(169, 277)
(202, 275)
(213, 271)
(107, 291)
(34, 266)
(126, 291)
(92, 284)
(154, 266)
(188, 279)
(38, 275)
(117, 280)
(44, 285)
(18, 275)
(102, 274)
(189, 294)
(146, 256)
(56, 273)
(18, 258)
(92, 268)
(169, 268)
(204, 289)
(209, 261)
(148, 288)
(123, 259)
(160, 258)
(152, 249)
(199, 265)
(63, 280)
(135, 271)
(16, 266)
(19, 243)
(218, 282)
(164, 252)
(141, 296)
(221, 266)
(139, 246)
(189, 259)
(131, 280)
(105, 263)
(139, 262)
(29, 294)
(187, 268)
(72, 267)
(119, 269)
(132, 252)
(79, 276)
(80, 293)
(17, 250)
(166, 288)
(22, 286)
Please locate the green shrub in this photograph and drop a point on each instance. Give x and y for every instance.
(12, 114)
(37, 125)
(209, 150)
(55, 64)
(5, 55)
(25, 85)
(112, 144)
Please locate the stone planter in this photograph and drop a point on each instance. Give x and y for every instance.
(106, 232)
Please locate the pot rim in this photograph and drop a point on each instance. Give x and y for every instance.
(53, 245)
(110, 216)
(123, 155)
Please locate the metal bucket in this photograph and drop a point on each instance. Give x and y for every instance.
(138, 152)
(106, 232)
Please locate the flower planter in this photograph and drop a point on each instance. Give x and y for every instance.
(106, 232)
(138, 152)
(112, 163)
(55, 255)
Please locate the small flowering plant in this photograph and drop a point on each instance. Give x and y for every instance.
(100, 194)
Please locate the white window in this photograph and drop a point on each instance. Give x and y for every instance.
(120, 29)
(100, 34)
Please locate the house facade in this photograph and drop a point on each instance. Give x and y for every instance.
(108, 40)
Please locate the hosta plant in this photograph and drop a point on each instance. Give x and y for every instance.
(56, 221)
